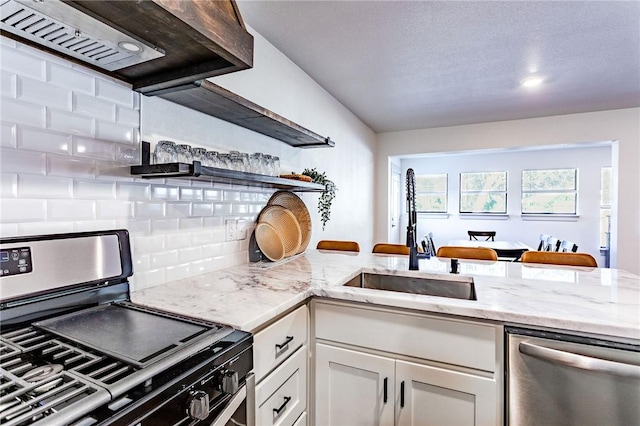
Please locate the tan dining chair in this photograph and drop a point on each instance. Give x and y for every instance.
(477, 253)
(338, 245)
(386, 248)
(487, 235)
(559, 258)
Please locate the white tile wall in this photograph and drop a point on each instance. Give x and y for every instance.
(67, 138)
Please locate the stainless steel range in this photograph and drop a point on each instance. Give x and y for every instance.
(75, 350)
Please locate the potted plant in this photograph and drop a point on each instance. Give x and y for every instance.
(326, 197)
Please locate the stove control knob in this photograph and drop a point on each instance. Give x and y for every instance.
(198, 405)
(230, 382)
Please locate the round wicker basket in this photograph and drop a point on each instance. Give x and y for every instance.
(286, 226)
(269, 241)
(295, 205)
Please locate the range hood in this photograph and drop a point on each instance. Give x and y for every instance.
(151, 44)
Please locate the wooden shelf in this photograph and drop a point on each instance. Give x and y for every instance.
(231, 177)
(211, 99)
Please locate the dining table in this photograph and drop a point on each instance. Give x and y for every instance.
(506, 250)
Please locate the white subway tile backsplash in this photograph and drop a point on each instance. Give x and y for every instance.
(21, 112)
(203, 237)
(191, 194)
(221, 209)
(115, 93)
(8, 185)
(69, 122)
(239, 209)
(8, 135)
(179, 272)
(231, 196)
(94, 190)
(23, 63)
(93, 148)
(137, 227)
(42, 228)
(147, 209)
(202, 209)
(203, 266)
(8, 84)
(62, 76)
(41, 93)
(16, 161)
(213, 250)
(145, 279)
(107, 209)
(92, 107)
(113, 171)
(178, 240)
(169, 193)
(178, 209)
(212, 195)
(164, 259)
(36, 186)
(212, 222)
(141, 263)
(190, 223)
(8, 230)
(165, 225)
(67, 166)
(115, 132)
(128, 116)
(128, 154)
(44, 140)
(190, 254)
(71, 209)
(94, 225)
(133, 191)
(18, 210)
(148, 244)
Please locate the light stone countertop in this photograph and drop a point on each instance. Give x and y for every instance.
(599, 301)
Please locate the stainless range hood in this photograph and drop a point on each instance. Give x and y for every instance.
(151, 44)
(72, 32)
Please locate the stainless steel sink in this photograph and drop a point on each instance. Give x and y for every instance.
(460, 288)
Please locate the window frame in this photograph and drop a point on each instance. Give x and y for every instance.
(604, 206)
(445, 193)
(505, 192)
(573, 191)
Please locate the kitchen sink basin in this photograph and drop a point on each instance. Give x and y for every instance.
(460, 288)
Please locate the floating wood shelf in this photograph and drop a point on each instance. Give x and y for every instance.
(211, 99)
(231, 177)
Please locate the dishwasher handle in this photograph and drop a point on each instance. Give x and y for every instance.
(580, 361)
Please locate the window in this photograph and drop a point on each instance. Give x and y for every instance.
(431, 193)
(484, 192)
(605, 205)
(549, 191)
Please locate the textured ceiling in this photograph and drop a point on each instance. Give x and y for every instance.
(401, 65)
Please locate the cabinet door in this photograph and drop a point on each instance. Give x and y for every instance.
(350, 388)
(428, 395)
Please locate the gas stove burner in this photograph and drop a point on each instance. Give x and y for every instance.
(42, 373)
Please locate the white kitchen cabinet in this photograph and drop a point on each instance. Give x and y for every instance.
(280, 360)
(350, 388)
(438, 370)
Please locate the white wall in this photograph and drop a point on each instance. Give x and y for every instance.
(69, 135)
(583, 231)
(621, 126)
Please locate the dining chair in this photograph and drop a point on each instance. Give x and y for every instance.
(477, 253)
(488, 235)
(338, 245)
(386, 248)
(559, 258)
(568, 246)
(511, 255)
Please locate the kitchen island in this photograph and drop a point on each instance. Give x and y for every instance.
(598, 301)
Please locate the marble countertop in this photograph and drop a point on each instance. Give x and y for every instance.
(585, 300)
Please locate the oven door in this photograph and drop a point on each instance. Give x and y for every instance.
(241, 408)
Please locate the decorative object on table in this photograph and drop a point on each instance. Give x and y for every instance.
(269, 241)
(286, 226)
(295, 205)
(296, 176)
(326, 197)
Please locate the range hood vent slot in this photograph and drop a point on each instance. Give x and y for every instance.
(65, 29)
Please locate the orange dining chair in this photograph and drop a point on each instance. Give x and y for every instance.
(487, 235)
(385, 248)
(477, 253)
(559, 258)
(338, 245)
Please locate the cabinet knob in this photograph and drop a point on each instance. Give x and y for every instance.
(230, 382)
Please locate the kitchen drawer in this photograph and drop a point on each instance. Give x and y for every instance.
(282, 396)
(275, 343)
(450, 341)
(302, 420)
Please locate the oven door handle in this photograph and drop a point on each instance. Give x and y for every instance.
(246, 393)
(580, 361)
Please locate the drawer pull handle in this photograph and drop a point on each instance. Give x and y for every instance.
(285, 343)
(385, 391)
(283, 406)
(402, 394)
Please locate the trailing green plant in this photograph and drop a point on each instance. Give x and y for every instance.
(326, 197)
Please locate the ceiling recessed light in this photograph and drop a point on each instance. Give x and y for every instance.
(532, 81)
(130, 47)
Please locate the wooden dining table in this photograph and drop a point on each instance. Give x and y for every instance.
(506, 250)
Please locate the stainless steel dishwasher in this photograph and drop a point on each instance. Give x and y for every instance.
(560, 379)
